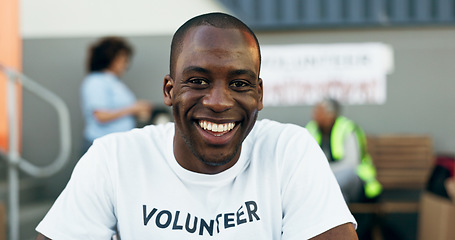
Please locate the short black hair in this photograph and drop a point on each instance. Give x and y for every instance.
(103, 52)
(215, 19)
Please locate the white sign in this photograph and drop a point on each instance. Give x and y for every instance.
(304, 74)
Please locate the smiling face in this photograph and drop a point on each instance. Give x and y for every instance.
(216, 94)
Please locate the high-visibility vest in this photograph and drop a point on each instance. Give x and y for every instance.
(365, 170)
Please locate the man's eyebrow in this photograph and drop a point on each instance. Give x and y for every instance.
(195, 69)
(243, 72)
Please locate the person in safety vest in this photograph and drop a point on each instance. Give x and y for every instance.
(344, 144)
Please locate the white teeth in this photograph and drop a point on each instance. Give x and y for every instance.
(216, 127)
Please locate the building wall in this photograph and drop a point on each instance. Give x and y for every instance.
(420, 90)
(55, 18)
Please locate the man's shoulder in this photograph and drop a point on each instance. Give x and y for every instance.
(345, 120)
(154, 133)
(270, 131)
(135, 145)
(267, 126)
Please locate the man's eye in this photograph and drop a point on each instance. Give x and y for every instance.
(239, 84)
(198, 81)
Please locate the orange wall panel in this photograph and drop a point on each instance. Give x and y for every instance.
(10, 56)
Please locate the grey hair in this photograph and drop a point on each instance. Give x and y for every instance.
(331, 105)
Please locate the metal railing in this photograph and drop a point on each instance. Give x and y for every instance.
(13, 157)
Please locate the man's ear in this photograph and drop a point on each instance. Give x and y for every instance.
(168, 88)
(260, 92)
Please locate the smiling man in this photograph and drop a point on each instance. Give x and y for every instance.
(217, 172)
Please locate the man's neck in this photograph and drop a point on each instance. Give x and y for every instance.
(326, 130)
(187, 160)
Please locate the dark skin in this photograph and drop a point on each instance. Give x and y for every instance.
(41, 237)
(217, 81)
(343, 232)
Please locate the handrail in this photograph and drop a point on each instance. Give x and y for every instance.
(15, 161)
(64, 125)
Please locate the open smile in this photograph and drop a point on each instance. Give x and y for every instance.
(215, 128)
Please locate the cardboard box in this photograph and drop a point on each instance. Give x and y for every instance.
(436, 218)
(2, 221)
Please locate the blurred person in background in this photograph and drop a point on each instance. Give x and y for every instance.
(108, 105)
(344, 144)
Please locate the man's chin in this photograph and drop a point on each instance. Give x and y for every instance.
(216, 163)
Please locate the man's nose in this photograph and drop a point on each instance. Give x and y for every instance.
(219, 98)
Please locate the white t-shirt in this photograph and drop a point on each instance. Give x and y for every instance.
(280, 188)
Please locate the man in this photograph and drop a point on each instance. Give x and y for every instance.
(344, 144)
(215, 173)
